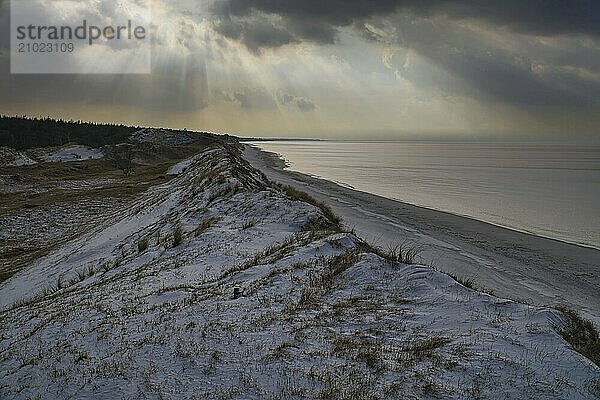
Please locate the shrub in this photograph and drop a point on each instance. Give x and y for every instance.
(142, 245)
(178, 236)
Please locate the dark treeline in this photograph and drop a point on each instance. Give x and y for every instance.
(22, 132)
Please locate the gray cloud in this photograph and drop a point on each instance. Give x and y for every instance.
(4, 26)
(485, 70)
(302, 103)
(316, 20)
(256, 34)
(256, 98)
(479, 69)
(177, 82)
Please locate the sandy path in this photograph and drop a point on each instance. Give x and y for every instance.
(511, 264)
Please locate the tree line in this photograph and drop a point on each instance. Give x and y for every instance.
(22, 132)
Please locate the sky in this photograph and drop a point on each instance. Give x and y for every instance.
(343, 69)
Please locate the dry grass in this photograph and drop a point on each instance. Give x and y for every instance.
(581, 334)
(466, 282)
(404, 253)
(205, 225)
(295, 194)
(249, 223)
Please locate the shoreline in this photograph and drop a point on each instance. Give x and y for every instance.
(283, 165)
(511, 263)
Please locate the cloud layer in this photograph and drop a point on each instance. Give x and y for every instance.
(454, 35)
(306, 67)
(316, 20)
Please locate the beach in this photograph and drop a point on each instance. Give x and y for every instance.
(508, 263)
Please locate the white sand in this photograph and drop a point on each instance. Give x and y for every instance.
(74, 153)
(102, 318)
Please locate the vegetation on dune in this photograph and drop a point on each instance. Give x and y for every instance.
(581, 334)
(205, 225)
(178, 235)
(403, 253)
(74, 195)
(142, 245)
(299, 195)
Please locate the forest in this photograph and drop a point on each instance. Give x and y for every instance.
(21, 132)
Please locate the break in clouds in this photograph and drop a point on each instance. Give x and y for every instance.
(514, 65)
(463, 66)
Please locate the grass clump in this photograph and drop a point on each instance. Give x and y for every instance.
(320, 283)
(581, 334)
(299, 195)
(221, 194)
(249, 223)
(404, 253)
(142, 245)
(204, 225)
(359, 349)
(424, 349)
(466, 282)
(178, 235)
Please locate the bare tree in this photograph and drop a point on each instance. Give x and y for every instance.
(122, 157)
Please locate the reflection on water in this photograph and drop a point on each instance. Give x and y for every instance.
(548, 189)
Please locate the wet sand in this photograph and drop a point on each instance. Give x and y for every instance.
(511, 264)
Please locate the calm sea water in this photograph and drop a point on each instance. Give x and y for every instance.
(552, 190)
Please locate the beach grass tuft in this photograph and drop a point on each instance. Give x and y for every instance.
(581, 334)
(466, 282)
(204, 225)
(299, 195)
(404, 253)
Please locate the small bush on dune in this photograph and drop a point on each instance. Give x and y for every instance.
(178, 236)
(142, 245)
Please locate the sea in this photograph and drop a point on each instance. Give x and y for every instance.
(547, 189)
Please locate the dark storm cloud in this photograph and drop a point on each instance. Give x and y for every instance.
(255, 35)
(481, 69)
(316, 20)
(489, 72)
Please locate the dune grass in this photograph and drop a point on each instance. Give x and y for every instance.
(404, 253)
(299, 195)
(581, 334)
(205, 225)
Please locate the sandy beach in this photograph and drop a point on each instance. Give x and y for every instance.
(510, 264)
